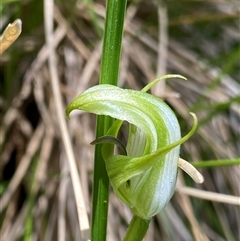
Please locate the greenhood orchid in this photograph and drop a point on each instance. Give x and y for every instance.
(144, 177)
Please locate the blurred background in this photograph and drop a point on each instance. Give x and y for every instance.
(197, 39)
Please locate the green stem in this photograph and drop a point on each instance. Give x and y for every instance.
(31, 200)
(136, 229)
(112, 44)
(216, 163)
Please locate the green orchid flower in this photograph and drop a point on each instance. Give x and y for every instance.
(144, 177)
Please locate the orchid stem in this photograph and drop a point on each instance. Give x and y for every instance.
(112, 44)
(136, 229)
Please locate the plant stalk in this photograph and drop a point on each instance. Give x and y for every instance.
(112, 43)
(136, 229)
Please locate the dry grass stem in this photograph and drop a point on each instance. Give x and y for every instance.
(162, 53)
(82, 214)
(206, 195)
